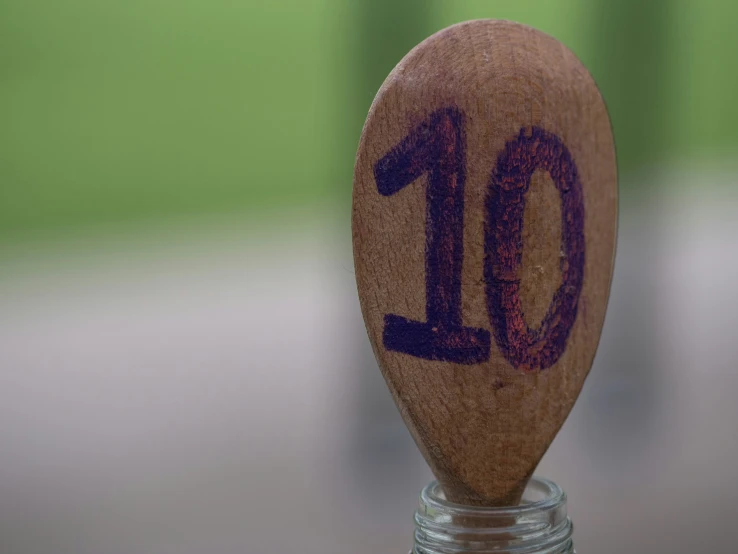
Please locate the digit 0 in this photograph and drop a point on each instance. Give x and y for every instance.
(526, 348)
(437, 146)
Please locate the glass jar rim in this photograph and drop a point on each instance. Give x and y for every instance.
(538, 524)
(551, 498)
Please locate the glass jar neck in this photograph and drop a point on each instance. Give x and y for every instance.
(539, 525)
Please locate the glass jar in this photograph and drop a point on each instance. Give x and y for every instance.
(539, 525)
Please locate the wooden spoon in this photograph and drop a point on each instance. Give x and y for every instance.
(484, 227)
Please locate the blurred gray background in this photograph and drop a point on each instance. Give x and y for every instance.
(183, 364)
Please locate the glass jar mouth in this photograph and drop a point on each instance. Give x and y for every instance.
(541, 495)
(538, 525)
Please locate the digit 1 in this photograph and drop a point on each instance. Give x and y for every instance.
(436, 146)
(525, 348)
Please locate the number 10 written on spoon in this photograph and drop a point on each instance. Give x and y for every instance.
(484, 225)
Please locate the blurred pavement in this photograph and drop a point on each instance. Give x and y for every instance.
(211, 390)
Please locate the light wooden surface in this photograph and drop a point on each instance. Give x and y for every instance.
(484, 227)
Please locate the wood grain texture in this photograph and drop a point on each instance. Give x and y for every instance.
(484, 228)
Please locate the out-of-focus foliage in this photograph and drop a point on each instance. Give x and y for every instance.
(147, 109)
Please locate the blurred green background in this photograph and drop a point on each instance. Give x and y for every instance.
(123, 112)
